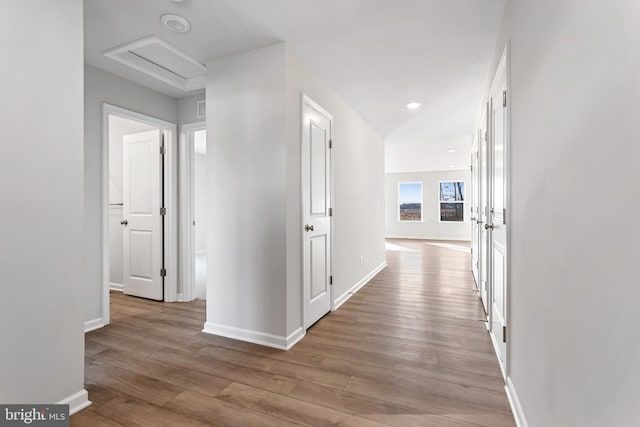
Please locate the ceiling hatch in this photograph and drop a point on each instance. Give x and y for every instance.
(158, 59)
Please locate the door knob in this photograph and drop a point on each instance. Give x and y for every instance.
(308, 227)
(488, 226)
(124, 222)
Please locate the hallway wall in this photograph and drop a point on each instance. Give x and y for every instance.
(575, 104)
(254, 238)
(41, 180)
(430, 227)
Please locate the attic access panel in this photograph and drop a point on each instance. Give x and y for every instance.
(160, 60)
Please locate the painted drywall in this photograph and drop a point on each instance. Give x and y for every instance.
(254, 238)
(575, 101)
(246, 233)
(41, 181)
(358, 163)
(102, 87)
(430, 227)
(187, 109)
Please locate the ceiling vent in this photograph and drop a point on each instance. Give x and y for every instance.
(157, 58)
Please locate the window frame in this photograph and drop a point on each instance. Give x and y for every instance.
(421, 201)
(463, 202)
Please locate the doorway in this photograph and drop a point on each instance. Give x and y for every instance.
(138, 204)
(193, 211)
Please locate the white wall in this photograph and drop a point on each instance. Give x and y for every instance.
(430, 227)
(41, 180)
(575, 97)
(246, 233)
(358, 156)
(254, 238)
(99, 87)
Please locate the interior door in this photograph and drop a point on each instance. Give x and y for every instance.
(142, 219)
(475, 235)
(497, 227)
(483, 179)
(316, 200)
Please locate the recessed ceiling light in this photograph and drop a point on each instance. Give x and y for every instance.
(451, 150)
(175, 23)
(450, 166)
(413, 105)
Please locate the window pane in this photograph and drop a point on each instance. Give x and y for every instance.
(410, 201)
(452, 212)
(451, 191)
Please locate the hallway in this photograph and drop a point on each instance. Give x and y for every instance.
(408, 349)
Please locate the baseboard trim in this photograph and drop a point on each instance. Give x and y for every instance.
(355, 288)
(118, 287)
(77, 401)
(514, 402)
(444, 239)
(255, 337)
(92, 325)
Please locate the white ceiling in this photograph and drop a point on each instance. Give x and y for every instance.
(379, 54)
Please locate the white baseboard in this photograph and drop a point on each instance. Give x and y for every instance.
(256, 337)
(92, 325)
(77, 401)
(514, 402)
(344, 297)
(444, 239)
(119, 287)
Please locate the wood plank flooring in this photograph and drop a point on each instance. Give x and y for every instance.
(409, 349)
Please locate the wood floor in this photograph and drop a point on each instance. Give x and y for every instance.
(409, 349)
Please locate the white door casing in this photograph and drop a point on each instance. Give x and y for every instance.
(142, 220)
(497, 227)
(316, 204)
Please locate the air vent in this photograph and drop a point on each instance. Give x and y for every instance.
(158, 59)
(201, 109)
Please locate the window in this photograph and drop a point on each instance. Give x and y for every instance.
(410, 201)
(452, 201)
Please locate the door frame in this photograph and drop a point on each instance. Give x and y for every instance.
(170, 196)
(306, 100)
(504, 63)
(186, 210)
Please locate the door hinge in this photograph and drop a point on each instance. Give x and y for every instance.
(163, 272)
(504, 334)
(504, 99)
(163, 150)
(331, 143)
(504, 216)
(330, 211)
(331, 280)
(163, 211)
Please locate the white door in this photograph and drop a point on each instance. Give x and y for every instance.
(475, 234)
(497, 226)
(142, 220)
(316, 201)
(483, 188)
